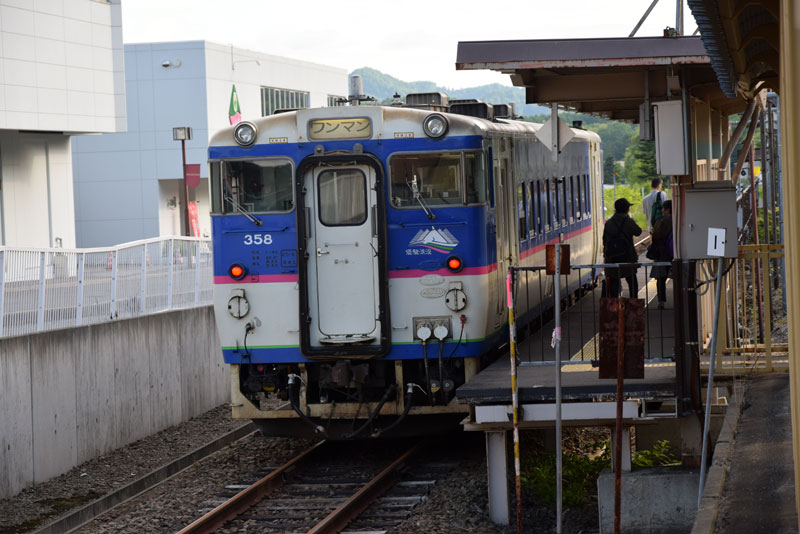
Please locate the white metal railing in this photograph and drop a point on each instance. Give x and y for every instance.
(46, 289)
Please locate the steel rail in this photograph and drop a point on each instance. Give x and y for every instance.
(244, 500)
(369, 493)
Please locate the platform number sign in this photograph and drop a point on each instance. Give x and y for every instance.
(716, 242)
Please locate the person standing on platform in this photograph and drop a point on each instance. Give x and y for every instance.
(652, 200)
(662, 251)
(618, 247)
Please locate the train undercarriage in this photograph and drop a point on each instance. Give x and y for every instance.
(352, 399)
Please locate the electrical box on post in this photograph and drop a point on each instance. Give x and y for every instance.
(710, 217)
(668, 120)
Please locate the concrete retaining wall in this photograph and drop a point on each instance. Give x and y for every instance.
(68, 396)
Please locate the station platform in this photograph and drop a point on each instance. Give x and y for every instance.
(587, 400)
(759, 491)
(579, 348)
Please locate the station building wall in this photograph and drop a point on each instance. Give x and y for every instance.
(71, 395)
(61, 74)
(129, 186)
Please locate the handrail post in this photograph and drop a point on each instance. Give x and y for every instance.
(2, 287)
(114, 262)
(40, 307)
(171, 272)
(79, 304)
(512, 335)
(197, 274)
(143, 285)
(557, 347)
(767, 308)
(710, 386)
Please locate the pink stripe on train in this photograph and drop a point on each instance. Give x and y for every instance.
(257, 279)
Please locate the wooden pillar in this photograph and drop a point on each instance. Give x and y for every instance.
(790, 161)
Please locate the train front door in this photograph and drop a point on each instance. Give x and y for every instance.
(343, 292)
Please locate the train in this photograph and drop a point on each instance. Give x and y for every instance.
(361, 252)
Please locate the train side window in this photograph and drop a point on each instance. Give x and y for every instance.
(490, 181)
(578, 199)
(216, 187)
(548, 208)
(475, 177)
(556, 203)
(539, 213)
(554, 189)
(260, 186)
(532, 212)
(573, 206)
(587, 190)
(522, 211)
(565, 200)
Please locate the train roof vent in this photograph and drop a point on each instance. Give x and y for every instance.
(504, 111)
(432, 101)
(482, 110)
(284, 110)
(463, 101)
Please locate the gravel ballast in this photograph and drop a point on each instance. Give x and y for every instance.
(457, 503)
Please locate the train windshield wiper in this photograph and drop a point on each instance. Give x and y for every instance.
(240, 209)
(414, 185)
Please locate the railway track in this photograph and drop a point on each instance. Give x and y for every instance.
(364, 487)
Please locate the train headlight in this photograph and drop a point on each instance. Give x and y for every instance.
(435, 125)
(455, 264)
(237, 271)
(245, 133)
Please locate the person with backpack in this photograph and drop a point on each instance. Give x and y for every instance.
(653, 202)
(618, 236)
(661, 250)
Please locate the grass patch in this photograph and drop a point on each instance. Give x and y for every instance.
(580, 470)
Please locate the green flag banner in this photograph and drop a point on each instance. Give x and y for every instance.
(234, 112)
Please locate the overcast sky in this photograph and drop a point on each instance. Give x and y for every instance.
(408, 39)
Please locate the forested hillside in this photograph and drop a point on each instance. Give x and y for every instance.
(631, 160)
(383, 87)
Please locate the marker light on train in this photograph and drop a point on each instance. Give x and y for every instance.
(245, 133)
(454, 264)
(236, 271)
(435, 125)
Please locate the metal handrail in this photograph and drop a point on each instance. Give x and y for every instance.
(46, 289)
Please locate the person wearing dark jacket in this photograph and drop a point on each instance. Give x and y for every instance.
(662, 251)
(618, 247)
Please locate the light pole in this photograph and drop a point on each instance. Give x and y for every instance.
(183, 134)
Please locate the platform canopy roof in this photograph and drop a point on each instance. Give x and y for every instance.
(743, 41)
(607, 76)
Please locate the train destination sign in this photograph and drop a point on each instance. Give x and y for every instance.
(350, 128)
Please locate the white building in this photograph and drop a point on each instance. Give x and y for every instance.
(130, 186)
(61, 73)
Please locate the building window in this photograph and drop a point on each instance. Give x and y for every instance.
(273, 99)
(334, 101)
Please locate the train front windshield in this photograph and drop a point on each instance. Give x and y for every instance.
(259, 186)
(440, 179)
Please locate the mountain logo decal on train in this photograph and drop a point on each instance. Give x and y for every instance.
(442, 241)
(370, 284)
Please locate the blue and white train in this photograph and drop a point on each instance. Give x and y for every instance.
(360, 255)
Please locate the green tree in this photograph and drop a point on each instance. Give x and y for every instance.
(640, 162)
(616, 137)
(609, 166)
(633, 195)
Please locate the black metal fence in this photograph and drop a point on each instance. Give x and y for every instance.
(582, 287)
